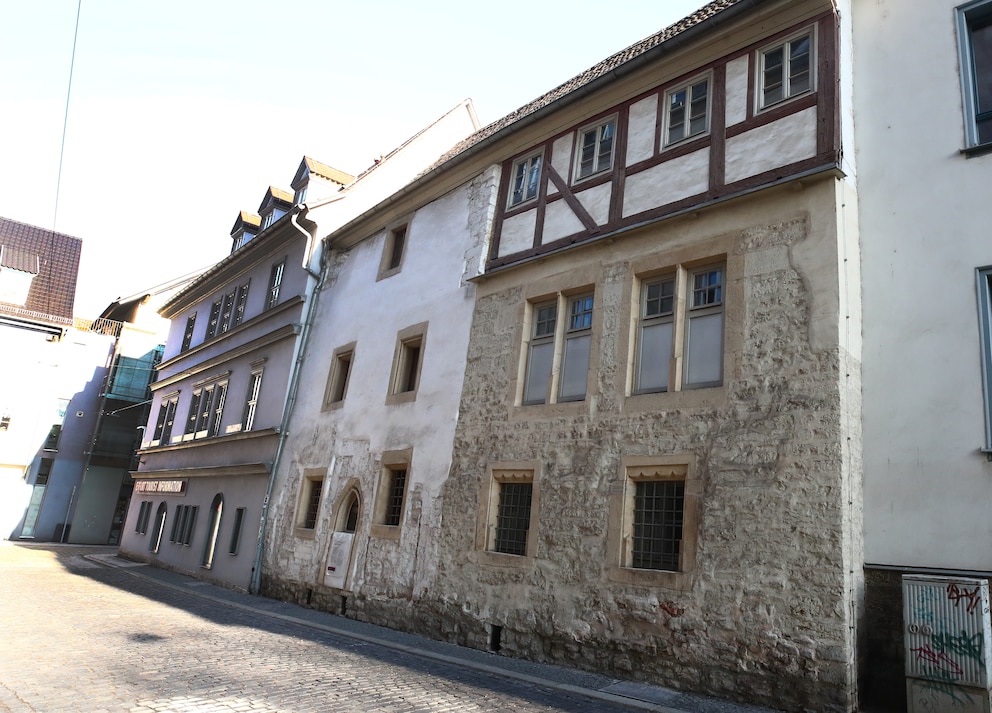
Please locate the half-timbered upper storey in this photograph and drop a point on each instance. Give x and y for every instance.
(724, 112)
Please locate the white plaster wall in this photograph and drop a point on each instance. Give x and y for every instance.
(355, 307)
(559, 220)
(925, 217)
(517, 233)
(790, 139)
(736, 97)
(641, 129)
(561, 159)
(596, 201)
(667, 182)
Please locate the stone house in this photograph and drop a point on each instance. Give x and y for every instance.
(648, 286)
(231, 368)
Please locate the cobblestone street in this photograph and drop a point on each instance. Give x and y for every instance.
(82, 636)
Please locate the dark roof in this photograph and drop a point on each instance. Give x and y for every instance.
(597, 71)
(53, 291)
(18, 259)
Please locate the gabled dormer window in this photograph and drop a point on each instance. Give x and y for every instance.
(300, 196)
(267, 220)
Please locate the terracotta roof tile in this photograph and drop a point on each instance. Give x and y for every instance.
(18, 259)
(53, 291)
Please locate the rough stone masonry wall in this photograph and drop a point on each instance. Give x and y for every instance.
(768, 616)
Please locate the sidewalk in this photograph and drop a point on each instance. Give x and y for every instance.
(635, 695)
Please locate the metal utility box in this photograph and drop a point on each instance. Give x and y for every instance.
(948, 644)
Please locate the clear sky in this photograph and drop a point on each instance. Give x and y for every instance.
(182, 113)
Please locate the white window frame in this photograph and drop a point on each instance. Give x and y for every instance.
(203, 420)
(686, 109)
(275, 283)
(251, 399)
(966, 16)
(162, 435)
(544, 380)
(788, 92)
(524, 180)
(984, 291)
(596, 162)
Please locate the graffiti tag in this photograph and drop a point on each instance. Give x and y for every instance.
(938, 660)
(962, 645)
(955, 595)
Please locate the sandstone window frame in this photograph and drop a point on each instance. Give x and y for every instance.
(394, 249)
(390, 500)
(635, 469)
(695, 299)
(498, 473)
(339, 376)
(309, 501)
(572, 333)
(408, 362)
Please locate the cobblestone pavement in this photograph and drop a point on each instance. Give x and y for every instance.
(78, 635)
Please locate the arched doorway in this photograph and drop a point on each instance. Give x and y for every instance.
(343, 540)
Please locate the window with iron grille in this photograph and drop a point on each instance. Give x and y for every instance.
(657, 524)
(513, 518)
(393, 514)
(314, 489)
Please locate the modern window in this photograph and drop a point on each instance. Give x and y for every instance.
(188, 334)
(975, 44)
(214, 323)
(166, 418)
(687, 111)
(595, 149)
(785, 70)
(159, 528)
(984, 275)
(184, 524)
(679, 342)
(407, 364)
(213, 531)
(655, 512)
(239, 523)
(206, 410)
(340, 373)
(525, 179)
(394, 250)
(549, 340)
(275, 284)
(144, 514)
(251, 400)
(390, 499)
(310, 497)
(300, 197)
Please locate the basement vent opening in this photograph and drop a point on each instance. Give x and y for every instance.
(309, 596)
(495, 634)
(344, 605)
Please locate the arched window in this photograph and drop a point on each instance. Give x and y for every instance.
(159, 528)
(351, 519)
(213, 530)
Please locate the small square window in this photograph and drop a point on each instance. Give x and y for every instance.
(975, 46)
(310, 497)
(525, 180)
(687, 112)
(340, 373)
(786, 70)
(390, 499)
(394, 249)
(407, 364)
(595, 149)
